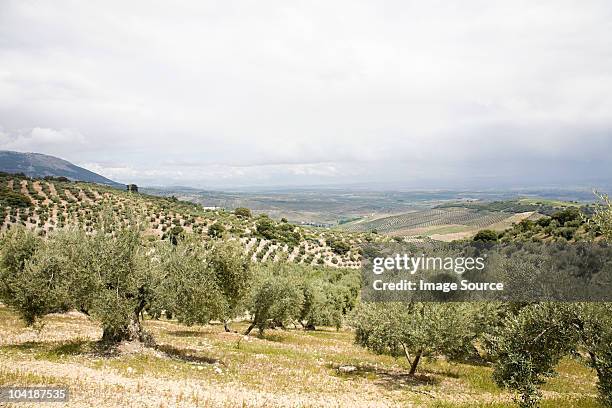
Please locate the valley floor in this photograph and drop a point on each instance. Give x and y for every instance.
(202, 366)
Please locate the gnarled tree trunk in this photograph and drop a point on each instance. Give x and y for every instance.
(132, 331)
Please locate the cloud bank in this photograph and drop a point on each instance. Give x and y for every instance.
(225, 94)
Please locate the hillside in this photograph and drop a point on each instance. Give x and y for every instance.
(44, 205)
(42, 165)
(445, 224)
(459, 220)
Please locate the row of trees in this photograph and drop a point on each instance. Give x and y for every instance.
(423, 329)
(523, 341)
(13, 199)
(109, 277)
(285, 294)
(117, 277)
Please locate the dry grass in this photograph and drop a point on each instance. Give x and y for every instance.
(202, 366)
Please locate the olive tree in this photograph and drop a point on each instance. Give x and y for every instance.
(415, 330)
(486, 236)
(123, 272)
(202, 282)
(188, 288)
(529, 343)
(596, 337)
(528, 346)
(321, 306)
(174, 235)
(216, 230)
(243, 212)
(107, 276)
(19, 287)
(284, 294)
(328, 296)
(234, 275)
(275, 298)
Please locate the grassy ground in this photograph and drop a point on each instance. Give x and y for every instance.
(202, 366)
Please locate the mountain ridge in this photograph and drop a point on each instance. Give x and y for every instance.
(40, 165)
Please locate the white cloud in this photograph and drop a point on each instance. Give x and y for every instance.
(213, 175)
(279, 92)
(54, 141)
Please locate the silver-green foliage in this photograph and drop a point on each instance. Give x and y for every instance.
(275, 299)
(108, 276)
(20, 288)
(201, 283)
(530, 342)
(297, 294)
(417, 329)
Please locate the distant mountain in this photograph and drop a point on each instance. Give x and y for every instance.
(41, 165)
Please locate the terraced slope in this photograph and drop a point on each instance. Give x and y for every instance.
(47, 205)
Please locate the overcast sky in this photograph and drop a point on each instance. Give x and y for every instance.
(251, 93)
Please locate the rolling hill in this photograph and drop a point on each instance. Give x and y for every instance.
(46, 205)
(41, 165)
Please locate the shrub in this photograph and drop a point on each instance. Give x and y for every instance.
(338, 246)
(265, 227)
(14, 199)
(285, 233)
(486, 236)
(566, 215)
(216, 230)
(243, 212)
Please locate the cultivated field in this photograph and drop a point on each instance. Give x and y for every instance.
(329, 206)
(203, 366)
(445, 224)
(55, 204)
